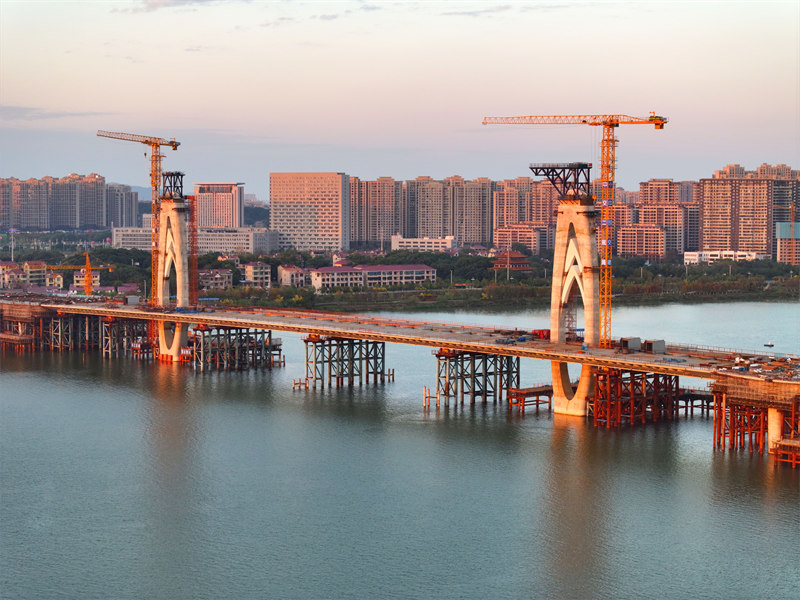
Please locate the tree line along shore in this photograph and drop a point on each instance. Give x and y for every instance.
(463, 280)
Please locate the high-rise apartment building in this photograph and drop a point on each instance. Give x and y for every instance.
(383, 198)
(512, 202)
(671, 217)
(30, 204)
(469, 205)
(433, 210)
(71, 202)
(666, 190)
(220, 204)
(5, 204)
(311, 211)
(765, 171)
(537, 237)
(375, 210)
(738, 213)
(641, 240)
(121, 206)
(77, 202)
(358, 213)
(454, 206)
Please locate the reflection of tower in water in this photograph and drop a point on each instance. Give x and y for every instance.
(172, 432)
(575, 502)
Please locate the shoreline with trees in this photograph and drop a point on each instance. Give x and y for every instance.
(463, 281)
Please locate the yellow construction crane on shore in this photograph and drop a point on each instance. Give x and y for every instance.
(607, 169)
(87, 273)
(155, 144)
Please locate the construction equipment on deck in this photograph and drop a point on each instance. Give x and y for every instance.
(607, 169)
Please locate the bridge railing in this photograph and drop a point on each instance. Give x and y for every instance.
(689, 348)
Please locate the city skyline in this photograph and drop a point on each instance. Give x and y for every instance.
(394, 89)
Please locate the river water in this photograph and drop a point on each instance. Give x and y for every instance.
(123, 479)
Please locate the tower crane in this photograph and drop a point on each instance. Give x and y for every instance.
(155, 144)
(607, 168)
(87, 273)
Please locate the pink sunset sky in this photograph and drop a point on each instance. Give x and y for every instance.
(393, 88)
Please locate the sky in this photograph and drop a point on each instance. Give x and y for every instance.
(387, 88)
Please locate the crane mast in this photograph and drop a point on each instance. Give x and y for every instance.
(155, 144)
(607, 174)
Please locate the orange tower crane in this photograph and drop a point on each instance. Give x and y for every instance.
(87, 273)
(155, 144)
(607, 169)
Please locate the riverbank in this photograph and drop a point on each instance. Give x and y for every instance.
(506, 297)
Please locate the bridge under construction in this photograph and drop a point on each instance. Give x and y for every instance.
(755, 397)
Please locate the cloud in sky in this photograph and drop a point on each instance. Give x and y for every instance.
(153, 5)
(478, 12)
(359, 85)
(33, 113)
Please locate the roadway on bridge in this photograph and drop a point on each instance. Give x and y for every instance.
(679, 360)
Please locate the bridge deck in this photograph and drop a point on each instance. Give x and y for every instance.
(684, 361)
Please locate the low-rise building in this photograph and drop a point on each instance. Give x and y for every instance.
(425, 244)
(14, 278)
(214, 279)
(257, 274)
(79, 279)
(386, 275)
(250, 240)
(328, 277)
(291, 275)
(54, 279)
(35, 271)
(712, 256)
(512, 262)
(370, 276)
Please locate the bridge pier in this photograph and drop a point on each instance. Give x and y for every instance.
(474, 375)
(784, 434)
(343, 361)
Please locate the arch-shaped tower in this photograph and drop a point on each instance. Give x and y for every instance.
(173, 244)
(576, 274)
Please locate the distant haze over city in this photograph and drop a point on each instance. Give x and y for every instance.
(394, 89)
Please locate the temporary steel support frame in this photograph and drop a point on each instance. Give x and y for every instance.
(632, 397)
(788, 448)
(342, 361)
(741, 425)
(61, 333)
(474, 375)
(232, 349)
(110, 337)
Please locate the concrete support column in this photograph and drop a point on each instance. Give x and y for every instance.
(774, 427)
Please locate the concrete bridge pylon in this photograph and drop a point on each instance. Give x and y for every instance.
(575, 275)
(173, 246)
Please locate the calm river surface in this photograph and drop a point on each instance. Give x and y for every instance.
(123, 479)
